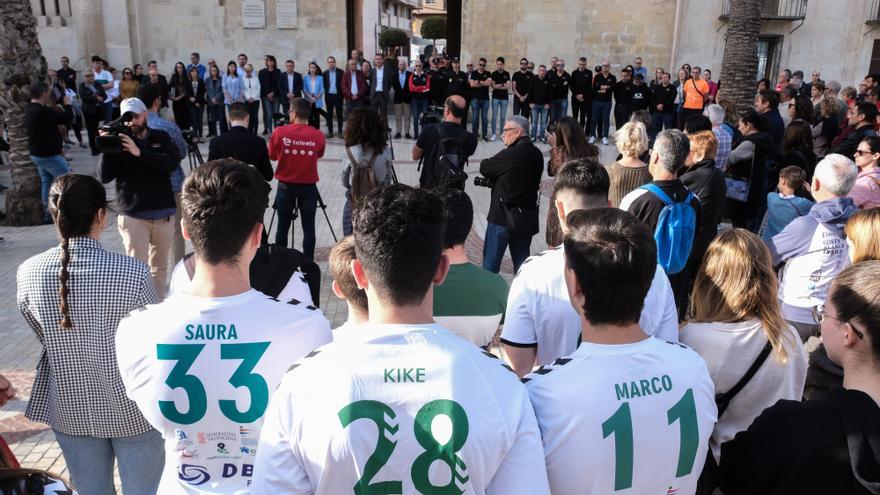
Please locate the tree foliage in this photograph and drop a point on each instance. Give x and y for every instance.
(393, 37)
(434, 28)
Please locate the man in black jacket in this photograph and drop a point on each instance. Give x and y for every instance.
(603, 85)
(290, 85)
(241, 144)
(622, 99)
(581, 90)
(381, 78)
(144, 197)
(515, 173)
(521, 81)
(400, 84)
(333, 95)
(44, 140)
(662, 106)
(539, 98)
(457, 84)
(861, 116)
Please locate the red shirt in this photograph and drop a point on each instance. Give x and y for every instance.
(297, 148)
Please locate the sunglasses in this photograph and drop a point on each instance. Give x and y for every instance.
(819, 316)
(863, 152)
(482, 65)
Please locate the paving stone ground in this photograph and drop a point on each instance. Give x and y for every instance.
(34, 443)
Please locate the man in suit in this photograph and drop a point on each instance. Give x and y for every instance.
(381, 77)
(354, 87)
(291, 84)
(241, 144)
(400, 83)
(333, 77)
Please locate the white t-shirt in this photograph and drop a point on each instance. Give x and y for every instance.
(296, 289)
(634, 417)
(540, 312)
(202, 369)
(387, 396)
(729, 350)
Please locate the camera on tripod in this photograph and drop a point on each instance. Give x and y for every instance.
(434, 115)
(112, 142)
(188, 135)
(280, 119)
(484, 182)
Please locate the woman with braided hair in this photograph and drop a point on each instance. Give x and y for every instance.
(73, 296)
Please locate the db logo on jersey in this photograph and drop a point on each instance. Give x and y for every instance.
(193, 475)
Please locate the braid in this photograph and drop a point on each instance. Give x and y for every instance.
(63, 277)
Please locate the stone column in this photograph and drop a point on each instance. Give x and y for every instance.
(88, 24)
(117, 38)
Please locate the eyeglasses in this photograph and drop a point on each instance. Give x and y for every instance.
(507, 129)
(863, 152)
(482, 65)
(819, 316)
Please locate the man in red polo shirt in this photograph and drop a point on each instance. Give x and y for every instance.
(297, 148)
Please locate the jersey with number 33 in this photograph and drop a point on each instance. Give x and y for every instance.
(625, 419)
(202, 370)
(400, 409)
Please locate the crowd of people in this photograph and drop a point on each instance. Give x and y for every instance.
(724, 269)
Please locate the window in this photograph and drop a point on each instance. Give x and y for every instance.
(52, 8)
(430, 2)
(875, 58)
(769, 48)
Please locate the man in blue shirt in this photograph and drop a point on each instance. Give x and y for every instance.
(638, 69)
(194, 58)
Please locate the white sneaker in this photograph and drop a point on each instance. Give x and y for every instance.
(592, 140)
(605, 140)
(493, 138)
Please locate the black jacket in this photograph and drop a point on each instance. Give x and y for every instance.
(88, 97)
(388, 75)
(600, 81)
(283, 89)
(539, 91)
(708, 185)
(42, 124)
(623, 93)
(757, 174)
(142, 183)
(401, 93)
(241, 144)
(829, 445)
(665, 96)
(326, 76)
(848, 145)
(582, 83)
(516, 172)
(559, 84)
(456, 83)
(270, 82)
(198, 94)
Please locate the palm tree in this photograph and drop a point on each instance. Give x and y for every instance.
(22, 63)
(739, 67)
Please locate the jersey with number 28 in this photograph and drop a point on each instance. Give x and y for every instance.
(628, 419)
(390, 409)
(202, 371)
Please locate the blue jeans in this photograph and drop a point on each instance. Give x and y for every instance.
(558, 109)
(269, 109)
(480, 110)
(539, 121)
(660, 121)
(499, 113)
(141, 459)
(417, 107)
(601, 116)
(195, 118)
(497, 240)
(305, 198)
(50, 168)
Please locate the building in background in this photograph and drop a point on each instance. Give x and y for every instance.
(428, 8)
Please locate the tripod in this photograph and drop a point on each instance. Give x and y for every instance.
(194, 154)
(391, 165)
(295, 214)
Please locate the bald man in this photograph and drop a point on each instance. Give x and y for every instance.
(426, 146)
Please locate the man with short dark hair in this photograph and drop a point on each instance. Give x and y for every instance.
(622, 98)
(767, 105)
(541, 325)
(514, 174)
(290, 85)
(560, 80)
(662, 106)
(242, 62)
(45, 145)
(354, 87)
(333, 95)
(105, 79)
(241, 144)
(427, 147)
(581, 89)
(540, 97)
(639, 69)
(381, 79)
(603, 86)
(521, 80)
(480, 81)
(297, 148)
(345, 286)
(620, 381)
(862, 117)
(471, 300)
(458, 83)
(194, 59)
(233, 343)
(500, 96)
(402, 376)
(66, 74)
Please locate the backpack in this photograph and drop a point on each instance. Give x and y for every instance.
(363, 178)
(675, 231)
(445, 169)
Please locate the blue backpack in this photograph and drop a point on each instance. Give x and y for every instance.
(676, 227)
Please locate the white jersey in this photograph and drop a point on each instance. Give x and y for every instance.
(540, 313)
(296, 289)
(202, 369)
(632, 418)
(400, 409)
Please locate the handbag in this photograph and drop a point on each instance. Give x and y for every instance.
(522, 222)
(738, 188)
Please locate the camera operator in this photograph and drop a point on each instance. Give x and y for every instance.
(241, 144)
(44, 140)
(514, 175)
(144, 197)
(446, 138)
(297, 148)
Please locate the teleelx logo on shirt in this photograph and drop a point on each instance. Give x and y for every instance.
(295, 147)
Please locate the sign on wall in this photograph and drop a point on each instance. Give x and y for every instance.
(285, 14)
(253, 14)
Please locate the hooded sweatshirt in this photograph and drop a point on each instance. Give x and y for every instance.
(825, 446)
(815, 251)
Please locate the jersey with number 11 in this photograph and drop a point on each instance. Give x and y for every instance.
(628, 419)
(394, 409)
(202, 369)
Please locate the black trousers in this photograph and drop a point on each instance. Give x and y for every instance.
(334, 105)
(580, 110)
(254, 113)
(520, 108)
(621, 115)
(379, 103)
(92, 120)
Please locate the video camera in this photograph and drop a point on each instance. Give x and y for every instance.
(434, 115)
(280, 119)
(188, 135)
(112, 142)
(484, 182)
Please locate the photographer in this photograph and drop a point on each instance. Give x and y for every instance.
(514, 175)
(145, 199)
(445, 139)
(241, 144)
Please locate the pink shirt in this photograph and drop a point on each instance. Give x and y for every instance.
(866, 191)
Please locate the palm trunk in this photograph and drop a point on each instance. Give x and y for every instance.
(22, 63)
(739, 67)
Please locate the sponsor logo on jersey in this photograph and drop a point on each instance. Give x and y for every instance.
(247, 437)
(193, 474)
(216, 436)
(180, 434)
(248, 450)
(221, 448)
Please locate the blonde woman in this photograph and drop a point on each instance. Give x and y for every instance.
(629, 172)
(861, 235)
(734, 316)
